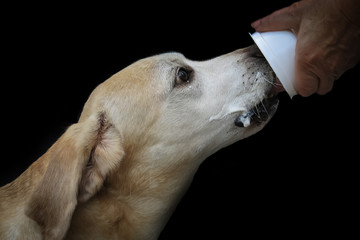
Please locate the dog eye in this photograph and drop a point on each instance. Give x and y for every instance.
(182, 76)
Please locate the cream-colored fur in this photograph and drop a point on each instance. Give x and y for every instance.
(120, 171)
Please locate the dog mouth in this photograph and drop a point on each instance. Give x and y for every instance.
(260, 113)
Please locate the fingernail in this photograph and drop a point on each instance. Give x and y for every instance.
(255, 24)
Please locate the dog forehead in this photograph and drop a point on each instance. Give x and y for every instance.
(170, 56)
(164, 66)
(170, 60)
(154, 67)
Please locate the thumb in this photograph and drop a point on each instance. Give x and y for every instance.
(287, 18)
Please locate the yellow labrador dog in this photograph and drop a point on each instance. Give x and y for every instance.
(121, 170)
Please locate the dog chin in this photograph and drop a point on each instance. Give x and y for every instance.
(258, 114)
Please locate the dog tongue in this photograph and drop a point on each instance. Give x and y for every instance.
(278, 87)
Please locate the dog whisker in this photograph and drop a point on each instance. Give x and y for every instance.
(257, 113)
(270, 82)
(264, 108)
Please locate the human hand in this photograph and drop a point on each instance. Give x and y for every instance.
(328, 40)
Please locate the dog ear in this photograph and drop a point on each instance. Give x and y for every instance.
(78, 164)
(104, 156)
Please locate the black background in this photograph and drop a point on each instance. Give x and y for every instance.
(297, 177)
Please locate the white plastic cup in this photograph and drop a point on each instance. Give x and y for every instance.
(279, 50)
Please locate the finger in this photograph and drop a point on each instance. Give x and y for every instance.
(287, 18)
(313, 73)
(332, 69)
(306, 82)
(325, 85)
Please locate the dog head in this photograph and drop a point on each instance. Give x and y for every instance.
(194, 106)
(159, 111)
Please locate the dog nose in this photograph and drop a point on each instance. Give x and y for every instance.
(255, 52)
